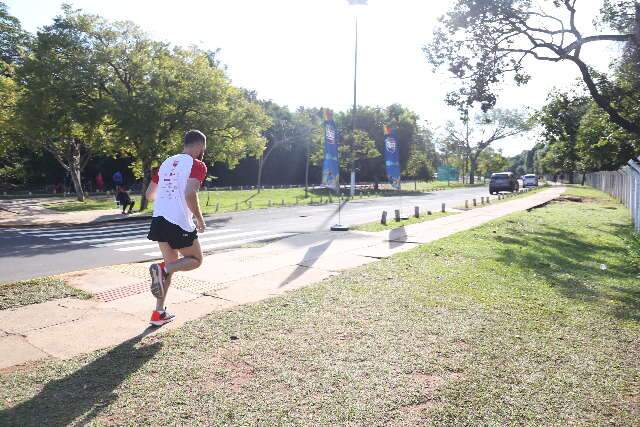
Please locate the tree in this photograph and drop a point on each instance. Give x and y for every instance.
(483, 41)
(560, 119)
(492, 161)
(62, 107)
(158, 93)
(422, 159)
(13, 40)
(355, 147)
(472, 138)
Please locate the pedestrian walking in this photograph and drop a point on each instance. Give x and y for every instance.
(174, 189)
(99, 182)
(124, 199)
(118, 179)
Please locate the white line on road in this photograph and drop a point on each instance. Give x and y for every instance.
(206, 239)
(127, 242)
(235, 243)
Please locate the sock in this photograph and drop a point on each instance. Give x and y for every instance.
(163, 267)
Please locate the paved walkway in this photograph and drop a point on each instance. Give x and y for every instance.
(122, 303)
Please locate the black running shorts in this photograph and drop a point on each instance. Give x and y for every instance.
(164, 231)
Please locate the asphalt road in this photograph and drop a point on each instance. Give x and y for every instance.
(34, 252)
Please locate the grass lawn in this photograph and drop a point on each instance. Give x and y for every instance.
(36, 291)
(392, 224)
(237, 200)
(513, 323)
(99, 203)
(506, 197)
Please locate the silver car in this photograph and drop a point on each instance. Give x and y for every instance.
(529, 180)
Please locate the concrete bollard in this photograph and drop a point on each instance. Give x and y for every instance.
(397, 212)
(488, 200)
(249, 205)
(475, 203)
(269, 203)
(282, 202)
(443, 208)
(429, 213)
(320, 199)
(416, 211)
(482, 201)
(466, 204)
(236, 206)
(217, 206)
(383, 220)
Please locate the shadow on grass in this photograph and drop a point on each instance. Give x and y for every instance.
(86, 391)
(573, 267)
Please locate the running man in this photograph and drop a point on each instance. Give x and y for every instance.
(175, 190)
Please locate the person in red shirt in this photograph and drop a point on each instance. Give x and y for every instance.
(174, 188)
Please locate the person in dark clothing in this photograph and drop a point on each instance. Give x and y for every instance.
(124, 200)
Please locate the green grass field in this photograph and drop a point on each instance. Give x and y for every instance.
(35, 291)
(532, 319)
(238, 200)
(392, 224)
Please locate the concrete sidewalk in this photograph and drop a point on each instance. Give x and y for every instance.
(122, 303)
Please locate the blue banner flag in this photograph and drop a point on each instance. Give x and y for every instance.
(391, 157)
(330, 165)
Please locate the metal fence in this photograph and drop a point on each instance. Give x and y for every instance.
(623, 184)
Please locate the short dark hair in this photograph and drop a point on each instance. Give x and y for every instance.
(194, 137)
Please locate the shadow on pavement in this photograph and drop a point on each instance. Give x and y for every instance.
(85, 392)
(314, 253)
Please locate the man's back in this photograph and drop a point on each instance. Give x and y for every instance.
(170, 202)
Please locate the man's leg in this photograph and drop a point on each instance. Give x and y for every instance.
(133, 202)
(170, 256)
(191, 259)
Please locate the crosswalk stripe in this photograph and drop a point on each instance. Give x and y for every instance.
(82, 230)
(130, 233)
(98, 231)
(206, 239)
(127, 242)
(231, 244)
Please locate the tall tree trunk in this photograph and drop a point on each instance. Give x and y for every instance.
(473, 165)
(74, 170)
(146, 179)
(260, 164)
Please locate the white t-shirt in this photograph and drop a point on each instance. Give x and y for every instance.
(170, 202)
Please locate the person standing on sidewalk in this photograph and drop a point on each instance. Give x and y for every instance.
(175, 191)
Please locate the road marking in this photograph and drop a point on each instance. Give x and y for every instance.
(206, 239)
(98, 231)
(126, 242)
(83, 229)
(235, 243)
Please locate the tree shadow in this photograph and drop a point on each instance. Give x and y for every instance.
(573, 267)
(85, 392)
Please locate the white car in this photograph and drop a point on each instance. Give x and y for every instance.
(529, 180)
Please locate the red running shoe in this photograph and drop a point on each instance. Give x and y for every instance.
(159, 318)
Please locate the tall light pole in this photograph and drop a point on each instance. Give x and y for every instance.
(355, 95)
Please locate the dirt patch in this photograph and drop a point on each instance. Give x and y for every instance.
(228, 370)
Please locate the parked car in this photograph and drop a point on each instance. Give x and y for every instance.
(529, 180)
(503, 181)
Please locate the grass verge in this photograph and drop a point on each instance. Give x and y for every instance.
(35, 291)
(512, 323)
(239, 200)
(392, 224)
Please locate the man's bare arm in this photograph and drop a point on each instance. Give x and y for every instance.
(151, 191)
(191, 196)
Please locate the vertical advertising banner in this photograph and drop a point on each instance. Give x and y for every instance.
(330, 165)
(391, 156)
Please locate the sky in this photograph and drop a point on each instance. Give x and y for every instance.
(301, 52)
